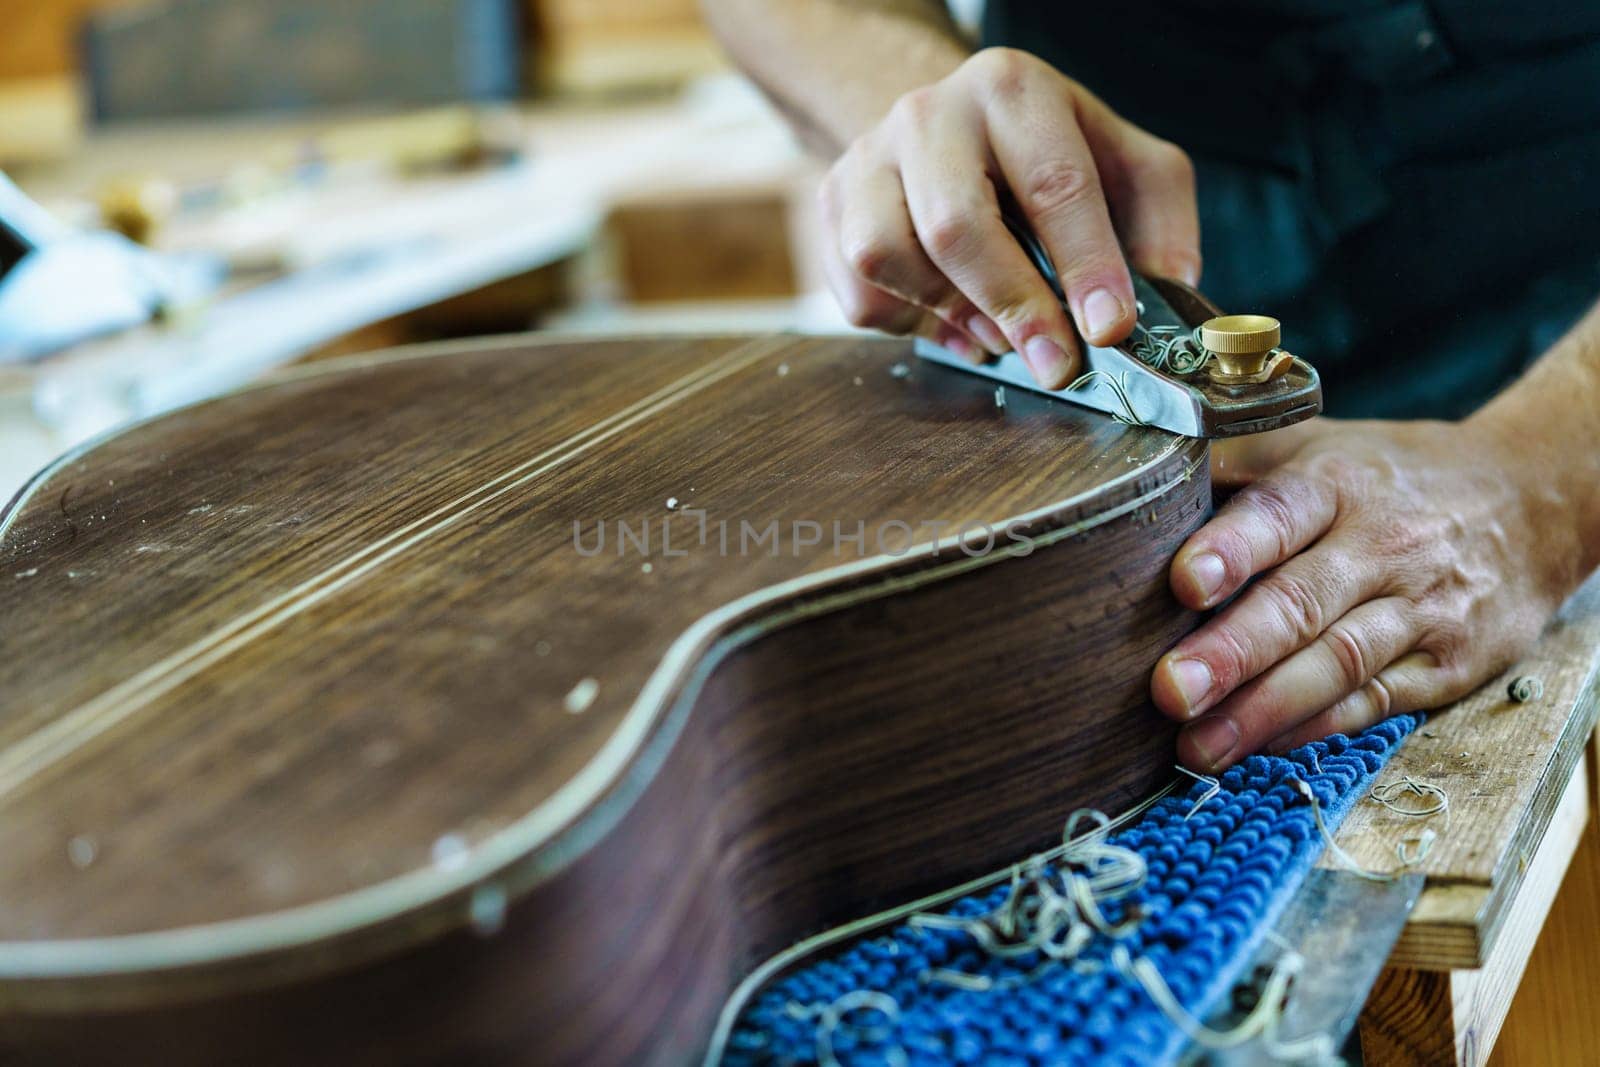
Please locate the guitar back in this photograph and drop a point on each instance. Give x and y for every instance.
(509, 701)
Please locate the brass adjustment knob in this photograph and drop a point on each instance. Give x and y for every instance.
(1241, 345)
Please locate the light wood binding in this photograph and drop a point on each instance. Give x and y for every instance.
(285, 679)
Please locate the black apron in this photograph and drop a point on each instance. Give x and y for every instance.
(1413, 188)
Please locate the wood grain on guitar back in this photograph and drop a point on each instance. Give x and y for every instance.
(330, 727)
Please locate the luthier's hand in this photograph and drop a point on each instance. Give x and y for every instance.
(916, 242)
(1398, 565)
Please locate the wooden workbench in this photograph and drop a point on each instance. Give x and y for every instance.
(1520, 802)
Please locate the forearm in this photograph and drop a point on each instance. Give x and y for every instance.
(835, 66)
(1551, 418)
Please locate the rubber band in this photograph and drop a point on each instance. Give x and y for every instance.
(1423, 843)
(1385, 794)
(1262, 1021)
(1213, 787)
(832, 1017)
(1304, 788)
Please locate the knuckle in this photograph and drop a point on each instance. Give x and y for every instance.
(858, 314)
(1059, 185)
(913, 107)
(1448, 645)
(1230, 544)
(1156, 165)
(1230, 657)
(1279, 508)
(1296, 603)
(1415, 581)
(1352, 653)
(1352, 482)
(1452, 678)
(951, 236)
(1018, 314)
(1172, 163)
(1382, 696)
(863, 310)
(1450, 586)
(1404, 537)
(1001, 68)
(1428, 619)
(1090, 271)
(1340, 470)
(871, 256)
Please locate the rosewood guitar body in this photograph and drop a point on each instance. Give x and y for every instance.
(329, 732)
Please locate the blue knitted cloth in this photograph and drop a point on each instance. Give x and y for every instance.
(1215, 884)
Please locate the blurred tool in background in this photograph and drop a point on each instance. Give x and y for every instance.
(59, 285)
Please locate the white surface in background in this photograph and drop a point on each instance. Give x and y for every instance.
(967, 13)
(447, 236)
(816, 313)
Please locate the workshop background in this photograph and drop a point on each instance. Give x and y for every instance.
(297, 179)
(290, 180)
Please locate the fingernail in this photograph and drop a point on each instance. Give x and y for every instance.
(1047, 359)
(1184, 267)
(1101, 313)
(958, 344)
(1208, 573)
(1214, 738)
(988, 334)
(1193, 680)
